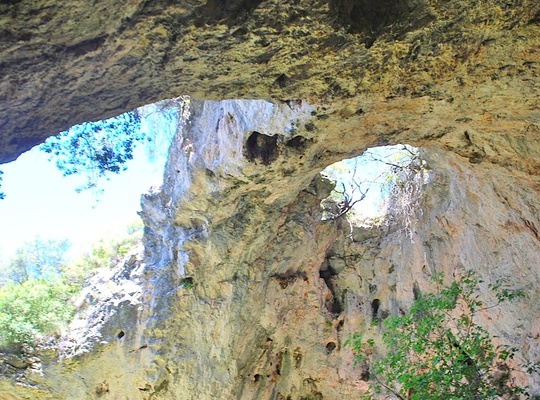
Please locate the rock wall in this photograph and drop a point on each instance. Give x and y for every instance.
(245, 293)
(276, 290)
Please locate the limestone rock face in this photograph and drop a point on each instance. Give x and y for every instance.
(275, 290)
(65, 64)
(245, 293)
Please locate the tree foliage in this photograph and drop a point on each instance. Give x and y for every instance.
(40, 259)
(108, 252)
(32, 309)
(437, 351)
(39, 282)
(34, 298)
(398, 172)
(406, 175)
(96, 148)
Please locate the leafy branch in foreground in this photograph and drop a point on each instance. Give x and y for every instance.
(437, 352)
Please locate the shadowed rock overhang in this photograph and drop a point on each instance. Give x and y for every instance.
(62, 64)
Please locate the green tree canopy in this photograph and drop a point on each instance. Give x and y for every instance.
(96, 149)
(39, 282)
(32, 309)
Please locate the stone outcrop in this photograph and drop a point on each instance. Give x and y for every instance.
(243, 292)
(62, 65)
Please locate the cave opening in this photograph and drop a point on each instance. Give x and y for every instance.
(261, 147)
(86, 182)
(333, 303)
(70, 211)
(375, 305)
(372, 188)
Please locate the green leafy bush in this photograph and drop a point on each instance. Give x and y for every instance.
(38, 283)
(437, 352)
(32, 309)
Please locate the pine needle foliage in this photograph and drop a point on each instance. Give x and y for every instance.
(96, 148)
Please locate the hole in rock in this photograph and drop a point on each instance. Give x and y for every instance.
(333, 304)
(121, 334)
(187, 283)
(257, 377)
(375, 305)
(340, 324)
(282, 81)
(297, 142)
(365, 375)
(261, 147)
(416, 291)
(330, 347)
(382, 184)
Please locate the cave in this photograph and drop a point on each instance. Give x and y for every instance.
(305, 85)
(261, 147)
(375, 305)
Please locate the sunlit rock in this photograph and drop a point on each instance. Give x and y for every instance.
(244, 290)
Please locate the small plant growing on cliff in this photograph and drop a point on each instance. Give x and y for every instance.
(437, 352)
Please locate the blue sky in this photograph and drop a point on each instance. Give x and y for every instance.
(40, 202)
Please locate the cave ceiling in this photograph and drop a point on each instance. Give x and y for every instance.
(444, 73)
